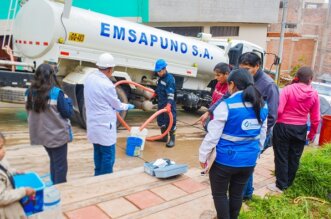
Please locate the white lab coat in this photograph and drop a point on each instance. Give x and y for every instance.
(101, 103)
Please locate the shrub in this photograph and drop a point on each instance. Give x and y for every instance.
(306, 198)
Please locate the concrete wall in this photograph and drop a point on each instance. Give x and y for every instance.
(248, 11)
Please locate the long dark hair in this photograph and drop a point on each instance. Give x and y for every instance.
(244, 81)
(38, 94)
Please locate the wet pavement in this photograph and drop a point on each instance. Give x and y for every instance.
(129, 192)
(13, 123)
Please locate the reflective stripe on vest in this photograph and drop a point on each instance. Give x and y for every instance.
(236, 139)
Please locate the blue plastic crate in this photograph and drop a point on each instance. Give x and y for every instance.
(165, 172)
(31, 179)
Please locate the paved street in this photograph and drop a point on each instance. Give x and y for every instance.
(129, 192)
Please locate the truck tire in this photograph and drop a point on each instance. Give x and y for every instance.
(124, 99)
(81, 118)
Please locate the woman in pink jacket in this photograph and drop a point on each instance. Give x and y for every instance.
(289, 134)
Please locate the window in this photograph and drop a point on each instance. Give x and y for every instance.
(311, 5)
(281, 4)
(185, 31)
(290, 25)
(217, 31)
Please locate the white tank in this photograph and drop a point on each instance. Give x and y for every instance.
(39, 26)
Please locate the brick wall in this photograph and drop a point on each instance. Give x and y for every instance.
(297, 51)
(312, 23)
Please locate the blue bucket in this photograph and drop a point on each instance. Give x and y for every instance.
(133, 145)
(31, 179)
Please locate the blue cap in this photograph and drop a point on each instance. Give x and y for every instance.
(159, 65)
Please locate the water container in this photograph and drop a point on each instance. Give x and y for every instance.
(135, 132)
(325, 136)
(31, 179)
(133, 145)
(52, 200)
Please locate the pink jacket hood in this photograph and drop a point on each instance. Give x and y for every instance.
(306, 92)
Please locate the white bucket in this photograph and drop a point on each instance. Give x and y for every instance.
(52, 201)
(141, 134)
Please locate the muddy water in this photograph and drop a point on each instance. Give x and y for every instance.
(23, 156)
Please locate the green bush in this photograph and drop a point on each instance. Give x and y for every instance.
(306, 198)
(314, 175)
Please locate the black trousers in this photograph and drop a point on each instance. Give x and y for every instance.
(58, 163)
(224, 178)
(288, 142)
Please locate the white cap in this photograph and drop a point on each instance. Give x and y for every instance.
(105, 60)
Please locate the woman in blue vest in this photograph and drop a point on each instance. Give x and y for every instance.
(236, 132)
(48, 117)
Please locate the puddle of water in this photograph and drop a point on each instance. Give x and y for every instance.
(185, 152)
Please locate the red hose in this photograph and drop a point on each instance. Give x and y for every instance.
(157, 137)
(152, 138)
(136, 84)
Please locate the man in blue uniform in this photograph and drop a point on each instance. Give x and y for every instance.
(165, 90)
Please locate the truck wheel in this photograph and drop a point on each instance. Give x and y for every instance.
(82, 117)
(124, 99)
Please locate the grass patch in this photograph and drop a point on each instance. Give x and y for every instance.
(306, 198)
(314, 175)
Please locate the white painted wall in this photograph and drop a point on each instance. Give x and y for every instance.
(250, 11)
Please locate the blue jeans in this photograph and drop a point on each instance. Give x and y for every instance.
(104, 159)
(249, 189)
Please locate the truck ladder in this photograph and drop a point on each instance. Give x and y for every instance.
(9, 24)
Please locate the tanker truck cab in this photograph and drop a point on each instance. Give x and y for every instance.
(44, 32)
(234, 48)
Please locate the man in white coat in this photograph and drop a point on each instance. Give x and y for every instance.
(101, 102)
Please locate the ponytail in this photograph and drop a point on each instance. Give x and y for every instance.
(252, 95)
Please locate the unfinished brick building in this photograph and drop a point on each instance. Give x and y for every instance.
(307, 36)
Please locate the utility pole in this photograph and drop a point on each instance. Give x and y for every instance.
(281, 40)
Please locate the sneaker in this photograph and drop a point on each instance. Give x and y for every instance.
(274, 188)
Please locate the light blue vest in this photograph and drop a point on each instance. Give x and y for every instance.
(239, 143)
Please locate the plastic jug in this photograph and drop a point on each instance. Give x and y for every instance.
(141, 134)
(52, 200)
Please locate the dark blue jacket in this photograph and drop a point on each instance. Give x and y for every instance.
(270, 94)
(165, 90)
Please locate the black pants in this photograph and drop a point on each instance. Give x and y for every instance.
(288, 142)
(224, 178)
(58, 163)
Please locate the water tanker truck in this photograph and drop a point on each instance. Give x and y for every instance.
(71, 39)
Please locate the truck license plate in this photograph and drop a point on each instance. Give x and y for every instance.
(77, 37)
